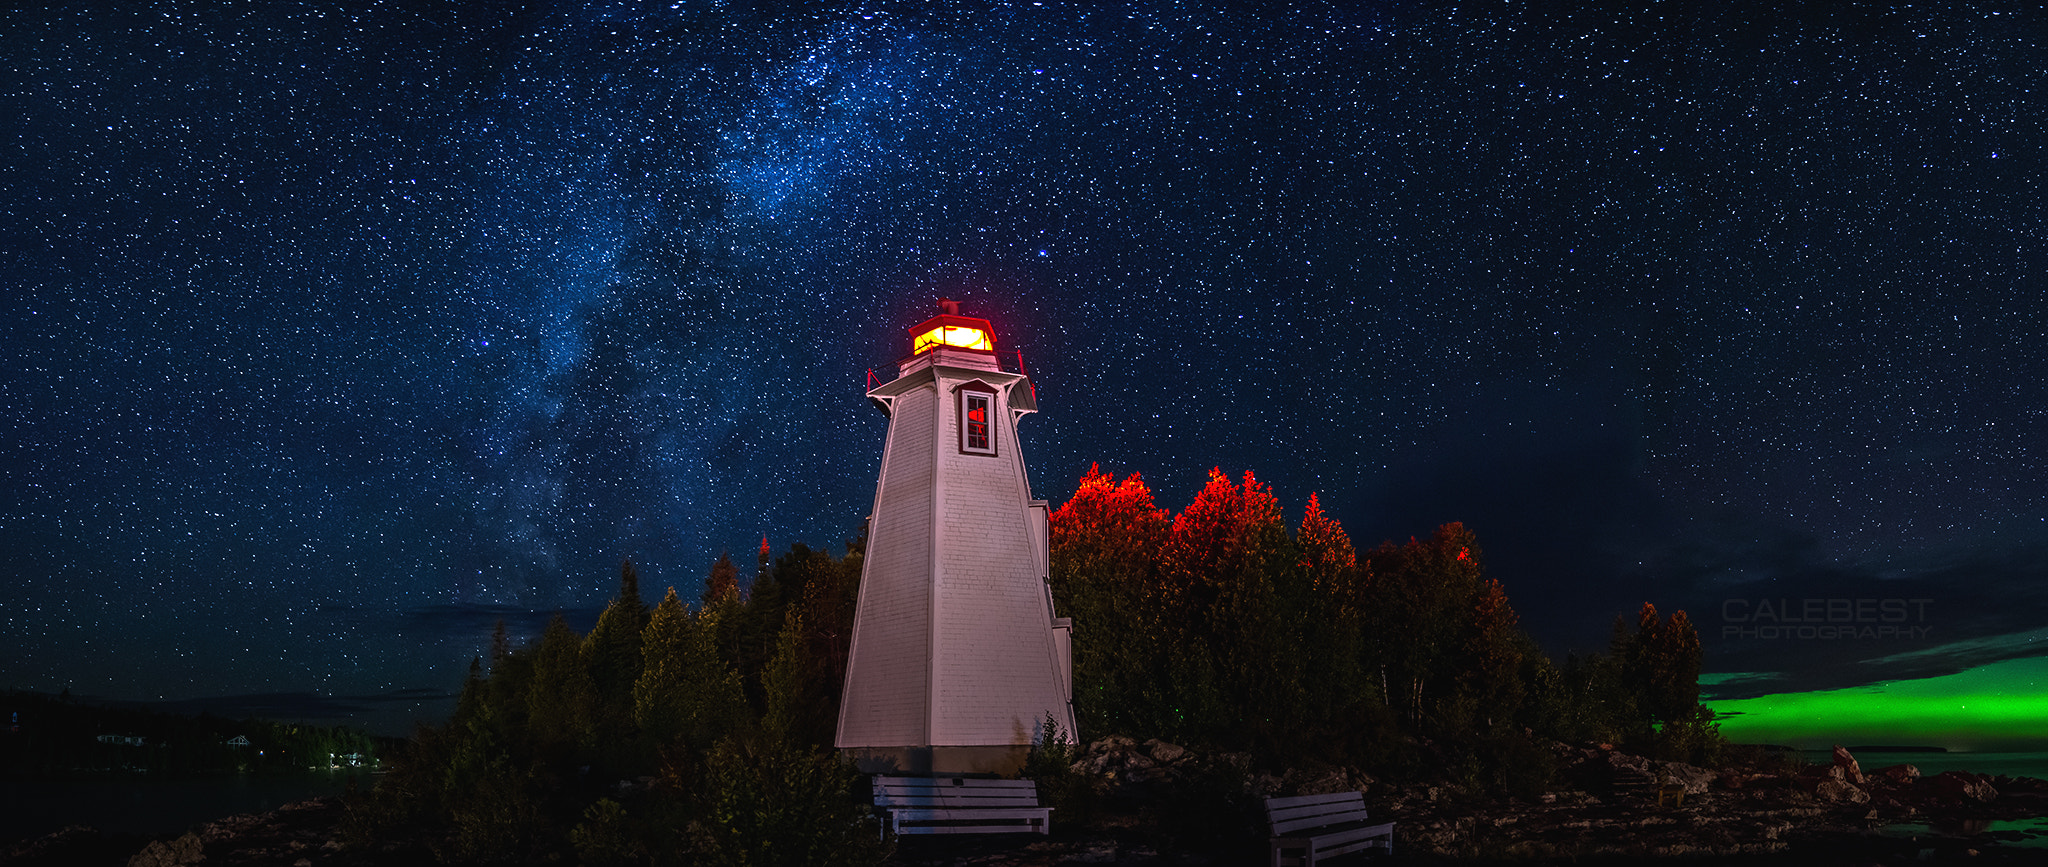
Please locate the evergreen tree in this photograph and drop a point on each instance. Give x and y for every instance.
(658, 694)
(1328, 561)
(825, 593)
(559, 703)
(611, 653)
(1223, 560)
(1442, 635)
(501, 644)
(1345, 709)
(687, 694)
(723, 583)
(1661, 664)
(1105, 545)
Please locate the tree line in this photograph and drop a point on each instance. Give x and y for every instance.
(701, 733)
(681, 733)
(1219, 626)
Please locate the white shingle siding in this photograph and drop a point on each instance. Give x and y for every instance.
(884, 697)
(960, 535)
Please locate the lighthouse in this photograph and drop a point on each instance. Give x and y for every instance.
(957, 659)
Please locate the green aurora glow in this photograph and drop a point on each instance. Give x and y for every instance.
(2002, 706)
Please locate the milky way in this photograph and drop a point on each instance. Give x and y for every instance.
(337, 332)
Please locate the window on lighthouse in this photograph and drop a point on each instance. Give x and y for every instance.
(977, 410)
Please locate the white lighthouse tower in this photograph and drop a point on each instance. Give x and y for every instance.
(957, 660)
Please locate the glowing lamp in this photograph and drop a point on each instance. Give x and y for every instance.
(959, 332)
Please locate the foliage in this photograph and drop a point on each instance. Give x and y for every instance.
(1219, 627)
(1216, 627)
(605, 838)
(548, 752)
(767, 803)
(1105, 546)
(1050, 764)
(687, 694)
(723, 585)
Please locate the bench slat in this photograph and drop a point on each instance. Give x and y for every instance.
(955, 783)
(1323, 842)
(1290, 826)
(956, 802)
(971, 829)
(1307, 800)
(961, 805)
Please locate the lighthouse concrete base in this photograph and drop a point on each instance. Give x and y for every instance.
(1001, 759)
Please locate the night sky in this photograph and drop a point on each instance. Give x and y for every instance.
(335, 333)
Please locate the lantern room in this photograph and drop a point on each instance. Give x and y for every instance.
(951, 329)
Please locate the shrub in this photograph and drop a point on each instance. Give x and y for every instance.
(769, 804)
(1050, 764)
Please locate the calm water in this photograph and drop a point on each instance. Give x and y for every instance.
(156, 807)
(2008, 764)
(2025, 833)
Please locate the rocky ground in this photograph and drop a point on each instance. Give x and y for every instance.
(1156, 803)
(1606, 811)
(303, 834)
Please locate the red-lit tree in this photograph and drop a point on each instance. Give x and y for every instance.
(1329, 564)
(1105, 546)
(1224, 566)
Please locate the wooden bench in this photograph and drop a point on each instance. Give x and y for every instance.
(961, 805)
(1316, 826)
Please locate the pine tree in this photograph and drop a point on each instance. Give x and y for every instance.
(560, 702)
(686, 693)
(1222, 563)
(724, 582)
(1661, 664)
(1327, 558)
(501, 644)
(1432, 618)
(1330, 598)
(1105, 545)
(611, 655)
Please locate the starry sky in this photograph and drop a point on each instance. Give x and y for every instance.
(336, 332)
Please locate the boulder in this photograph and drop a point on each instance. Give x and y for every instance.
(1850, 770)
(1165, 753)
(1328, 782)
(1900, 774)
(177, 853)
(1958, 786)
(1840, 792)
(1695, 780)
(1112, 743)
